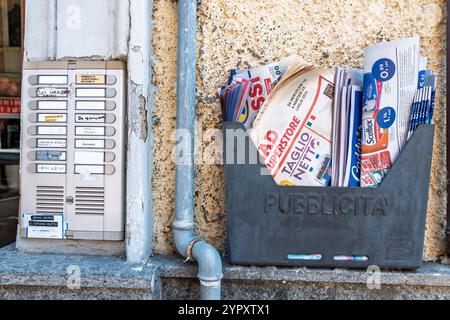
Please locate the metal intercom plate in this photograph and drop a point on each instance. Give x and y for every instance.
(73, 152)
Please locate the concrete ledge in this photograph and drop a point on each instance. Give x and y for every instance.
(85, 247)
(432, 281)
(25, 275)
(431, 274)
(19, 269)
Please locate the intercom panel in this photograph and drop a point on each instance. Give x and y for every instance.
(73, 150)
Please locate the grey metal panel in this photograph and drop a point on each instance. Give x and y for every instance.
(92, 200)
(267, 222)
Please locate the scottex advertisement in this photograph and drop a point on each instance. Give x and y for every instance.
(390, 82)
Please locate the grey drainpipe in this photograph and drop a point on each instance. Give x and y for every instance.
(186, 241)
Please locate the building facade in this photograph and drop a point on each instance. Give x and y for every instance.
(230, 34)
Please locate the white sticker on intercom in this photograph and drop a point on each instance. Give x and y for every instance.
(52, 79)
(91, 92)
(51, 143)
(51, 168)
(89, 170)
(90, 131)
(90, 118)
(89, 157)
(52, 105)
(90, 144)
(59, 131)
(52, 92)
(42, 226)
(90, 105)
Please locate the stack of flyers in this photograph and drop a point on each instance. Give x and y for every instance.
(242, 98)
(293, 130)
(423, 107)
(347, 108)
(391, 74)
(314, 126)
(233, 99)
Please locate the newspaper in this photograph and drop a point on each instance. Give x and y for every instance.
(391, 72)
(293, 130)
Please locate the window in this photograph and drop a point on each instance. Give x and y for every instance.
(11, 48)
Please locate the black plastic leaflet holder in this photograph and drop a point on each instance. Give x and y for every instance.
(328, 226)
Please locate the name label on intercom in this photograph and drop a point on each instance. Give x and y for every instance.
(91, 79)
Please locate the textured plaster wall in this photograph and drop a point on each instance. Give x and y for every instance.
(234, 34)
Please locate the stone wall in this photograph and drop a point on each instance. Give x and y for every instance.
(234, 34)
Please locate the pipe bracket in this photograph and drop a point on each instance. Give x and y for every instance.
(212, 284)
(183, 225)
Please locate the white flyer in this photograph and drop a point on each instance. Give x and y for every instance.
(293, 133)
(391, 73)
